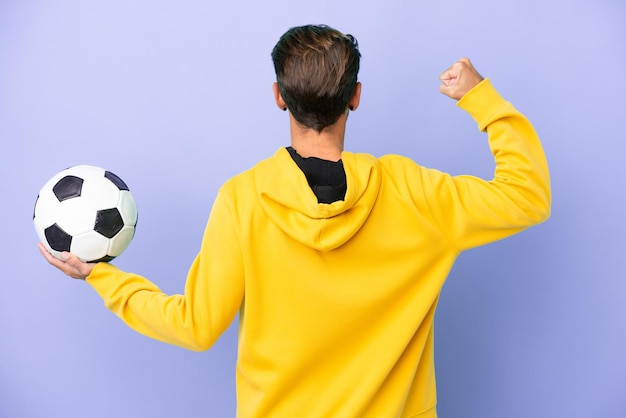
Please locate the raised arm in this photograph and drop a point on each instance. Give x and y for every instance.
(471, 211)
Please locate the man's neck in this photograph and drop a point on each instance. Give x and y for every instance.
(326, 145)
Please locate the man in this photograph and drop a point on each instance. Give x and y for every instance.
(335, 260)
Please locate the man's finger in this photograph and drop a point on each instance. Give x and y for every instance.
(49, 257)
(448, 79)
(60, 264)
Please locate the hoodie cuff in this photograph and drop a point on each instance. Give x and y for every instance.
(482, 102)
(102, 278)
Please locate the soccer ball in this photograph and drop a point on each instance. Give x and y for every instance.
(87, 211)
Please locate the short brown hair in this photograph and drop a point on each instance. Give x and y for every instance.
(316, 70)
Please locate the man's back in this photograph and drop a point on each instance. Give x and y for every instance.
(340, 298)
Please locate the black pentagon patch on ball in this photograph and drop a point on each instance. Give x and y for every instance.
(108, 222)
(116, 180)
(35, 208)
(57, 238)
(104, 259)
(68, 187)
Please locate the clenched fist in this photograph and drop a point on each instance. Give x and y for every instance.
(460, 78)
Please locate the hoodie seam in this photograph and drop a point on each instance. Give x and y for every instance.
(420, 190)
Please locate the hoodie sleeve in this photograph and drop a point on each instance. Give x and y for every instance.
(212, 297)
(472, 211)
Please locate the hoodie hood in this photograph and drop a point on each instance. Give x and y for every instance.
(290, 203)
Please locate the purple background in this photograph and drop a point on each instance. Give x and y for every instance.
(175, 97)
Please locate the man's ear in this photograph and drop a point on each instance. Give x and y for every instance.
(279, 99)
(356, 97)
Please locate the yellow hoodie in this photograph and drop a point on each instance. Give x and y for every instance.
(337, 301)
